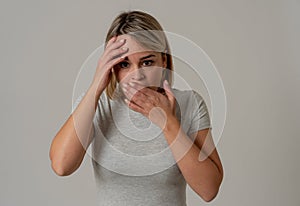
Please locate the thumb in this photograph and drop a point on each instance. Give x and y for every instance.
(169, 91)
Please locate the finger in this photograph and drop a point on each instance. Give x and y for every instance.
(134, 106)
(141, 99)
(150, 97)
(134, 95)
(116, 53)
(113, 39)
(116, 44)
(128, 93)
(169, 91)
(115, 61)
(146, 91)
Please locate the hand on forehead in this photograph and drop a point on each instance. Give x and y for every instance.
(133, 45)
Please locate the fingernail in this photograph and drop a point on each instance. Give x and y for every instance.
(125, 85)
(124, 48)
(131, 84)
(122, 40)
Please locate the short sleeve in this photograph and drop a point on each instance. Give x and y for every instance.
(200, 117)
(77, 101)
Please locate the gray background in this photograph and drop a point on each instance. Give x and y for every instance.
(254, 45)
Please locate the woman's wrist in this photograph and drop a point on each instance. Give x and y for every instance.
(96, 89)
(96, 92)
(171, 124)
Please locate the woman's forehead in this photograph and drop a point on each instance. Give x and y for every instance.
(134, 46)
(136, 50)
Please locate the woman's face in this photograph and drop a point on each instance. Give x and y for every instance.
(140, 65)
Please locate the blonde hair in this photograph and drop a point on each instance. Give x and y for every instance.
(148, 32)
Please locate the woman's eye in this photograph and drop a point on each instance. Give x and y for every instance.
(148, 63)
(123, 64)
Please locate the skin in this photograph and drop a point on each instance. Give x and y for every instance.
(198, 160)
(69, 145)
(140, 64)
(140, 74)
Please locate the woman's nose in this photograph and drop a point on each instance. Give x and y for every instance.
(137, 74)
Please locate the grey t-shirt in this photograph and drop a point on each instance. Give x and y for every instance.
(132, 162)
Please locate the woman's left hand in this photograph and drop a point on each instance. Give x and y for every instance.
(155, 106)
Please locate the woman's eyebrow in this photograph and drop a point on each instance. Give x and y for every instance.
(145, 57)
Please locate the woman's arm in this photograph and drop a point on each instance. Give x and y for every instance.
(203, 176)
(70, 143)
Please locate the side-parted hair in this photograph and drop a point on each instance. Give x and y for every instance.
(148, 32)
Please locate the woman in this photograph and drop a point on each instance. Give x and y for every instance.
(135, 70)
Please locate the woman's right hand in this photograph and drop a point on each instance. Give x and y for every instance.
(112, 55)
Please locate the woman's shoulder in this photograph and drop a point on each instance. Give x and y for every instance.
(187, 94)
